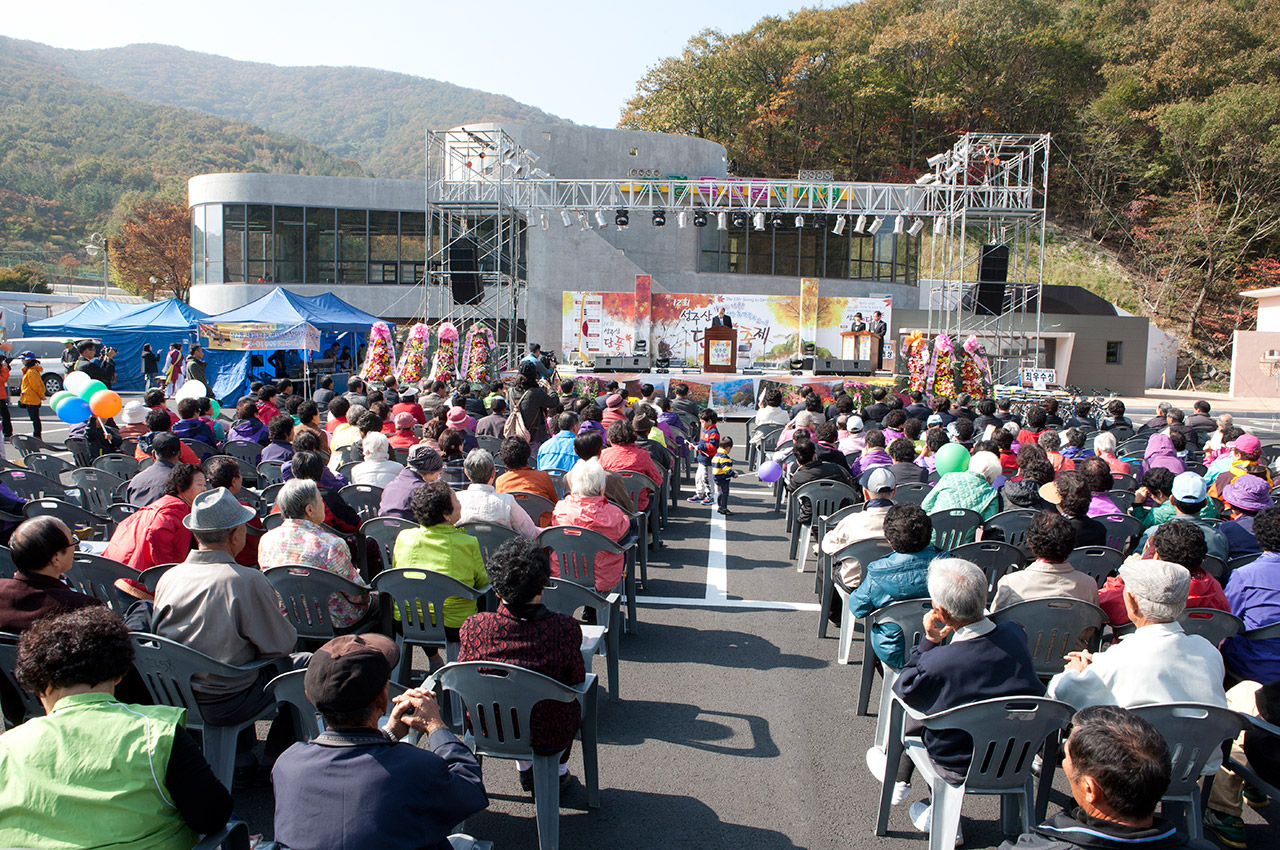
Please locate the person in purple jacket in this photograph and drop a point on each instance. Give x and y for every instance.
(248, 427)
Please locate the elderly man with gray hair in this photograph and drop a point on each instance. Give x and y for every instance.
(1157, 663)
(301, 540)
(482, 503)
(981, 661)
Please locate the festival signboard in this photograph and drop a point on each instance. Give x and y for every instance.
(598, 324)
(836, 315)
(260, 336)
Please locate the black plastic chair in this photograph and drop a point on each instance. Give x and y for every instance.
(1099, 562)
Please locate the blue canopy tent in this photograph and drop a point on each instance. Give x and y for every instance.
(126, 327)
(327, 313)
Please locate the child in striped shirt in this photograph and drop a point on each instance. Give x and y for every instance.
(722, 470)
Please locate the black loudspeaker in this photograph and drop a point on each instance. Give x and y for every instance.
(622, 364)
(464, 274)
(832, 366)
(993, 272)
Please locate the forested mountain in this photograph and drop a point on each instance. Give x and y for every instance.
(377, 118)
(1165, 115)
(74, 156)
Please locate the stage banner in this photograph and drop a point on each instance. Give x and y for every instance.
(260, 336)
(837, 315)
(766, 325)
(598, 324)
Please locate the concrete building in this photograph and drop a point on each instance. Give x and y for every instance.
(365, 240)
(1255, 355)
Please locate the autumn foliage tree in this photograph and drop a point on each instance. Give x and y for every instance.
(154, 242)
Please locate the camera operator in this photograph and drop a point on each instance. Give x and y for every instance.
(542, 362)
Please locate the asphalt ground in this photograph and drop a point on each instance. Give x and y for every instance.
(736, 727)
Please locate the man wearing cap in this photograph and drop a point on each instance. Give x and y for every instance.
(866, 524)
(424, 464)
(615, 410)
(69, 355)
(133, 420)
(403, 437)
(231, 613)
(1159, 662)
(1246, 457)
(1243, 497)
(492, 425)
(1188, 500)
(409, 404)
(354, 786)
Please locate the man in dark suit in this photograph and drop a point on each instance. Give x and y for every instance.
(876, 411)
(982, 661)
(917, 409)
(878, 324)
(720, 319)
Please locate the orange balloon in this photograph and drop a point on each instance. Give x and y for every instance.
(105, 404)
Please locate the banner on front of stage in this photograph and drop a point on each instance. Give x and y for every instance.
(260, 336)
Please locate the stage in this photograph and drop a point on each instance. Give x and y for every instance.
(732, 395)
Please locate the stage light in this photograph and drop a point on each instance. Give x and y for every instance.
(700, 218)
(531, 156)
(925, 179)
(659, 218)
(682, 219)
(860, 226)
(721, 223)
(739, 221)
(775, 220)
(916, 227)
(568, 219)
(799, 222)
(939, 226)
(582, 220)
(820, 221)
(543, 216)
(937, 159)
(621, 219)
(540, 174)
(876, 225)
(897, 225)
(757, 221)
(839, 228)
(601, 221)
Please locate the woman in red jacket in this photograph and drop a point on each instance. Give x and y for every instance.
(524, 633)
(155, 535)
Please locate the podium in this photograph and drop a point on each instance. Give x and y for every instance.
(863, 346)
(720, 349)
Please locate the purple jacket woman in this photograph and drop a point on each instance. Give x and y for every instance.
(1160, 453)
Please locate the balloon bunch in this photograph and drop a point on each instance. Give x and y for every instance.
(84, 397)
(380, 359)
(415, 350)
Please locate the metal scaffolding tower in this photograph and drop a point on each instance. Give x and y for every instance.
(991, 195)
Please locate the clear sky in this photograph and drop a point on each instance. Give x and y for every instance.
(574, 59)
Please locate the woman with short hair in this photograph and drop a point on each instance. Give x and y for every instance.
(587, 507)
(377, 468)
(42, 549)
(96, 772)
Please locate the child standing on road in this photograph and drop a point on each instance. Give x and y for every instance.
(722, 470)
(708, 445)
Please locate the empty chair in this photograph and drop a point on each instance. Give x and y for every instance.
(490, 444)
(77, 519)
(363, 499)
(50, 466)
(269, 472)
(26, 444)
(1097, 561)
(1007, 733)
(499, 699)
(994, 557)
(1120, 481)
(31, 485)
(1054, 626)
(167, 668)
(247, 455)
(79, 448)
(1010, 527)
(97, 488)
(1123, 531)
(150, 577)
(117, 511)
(304, 598)
(352, 453)
(761, 441)
(270, 493)
(419, 597)
(1195, 734)
(951, 527)
(120, 465)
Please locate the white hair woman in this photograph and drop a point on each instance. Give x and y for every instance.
(377, 468)
(1104, 446)
(587, 507)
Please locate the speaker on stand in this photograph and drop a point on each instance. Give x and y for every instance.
(993, 274)
(464, 273)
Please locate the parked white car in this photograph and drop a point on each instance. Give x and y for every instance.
(49, 349)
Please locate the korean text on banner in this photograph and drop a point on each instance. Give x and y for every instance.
(260, 336)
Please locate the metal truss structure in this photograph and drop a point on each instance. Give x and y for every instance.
(992, 190)
(484, 191)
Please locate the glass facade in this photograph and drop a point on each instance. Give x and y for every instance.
(810, 252)
(260, 243)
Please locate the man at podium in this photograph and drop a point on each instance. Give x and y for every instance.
(720, 320)
(878, 325)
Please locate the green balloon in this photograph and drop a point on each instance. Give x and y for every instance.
(952, 458)
(94, 387)
(214, 408)
(58, 398)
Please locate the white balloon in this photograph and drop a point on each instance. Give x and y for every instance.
(192, 389)
(75, 382)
